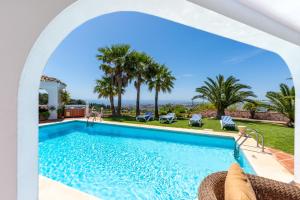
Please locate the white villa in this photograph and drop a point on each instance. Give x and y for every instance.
(52, 86)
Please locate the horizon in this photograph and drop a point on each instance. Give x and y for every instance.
(191, 55)
(132, 102)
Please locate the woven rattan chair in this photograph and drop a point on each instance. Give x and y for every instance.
(212, 188)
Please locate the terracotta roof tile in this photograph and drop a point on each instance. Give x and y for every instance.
(51, 79)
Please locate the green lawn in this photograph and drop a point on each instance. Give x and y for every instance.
(276, 136)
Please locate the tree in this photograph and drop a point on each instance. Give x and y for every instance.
(77, 102)
(283, 102)
(65, 97)
(223, 93)
(116, 67)
(252, 107)
(139, 63)
(105, 89)
(160, 79)
(43, 98)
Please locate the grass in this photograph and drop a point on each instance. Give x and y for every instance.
(276, 136)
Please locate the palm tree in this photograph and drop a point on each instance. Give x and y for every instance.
(223, 93)
(65, 97)
(115, 66)
(283, 102)
(160, 79)
(139, 63)
(105, 89)
(252, 107)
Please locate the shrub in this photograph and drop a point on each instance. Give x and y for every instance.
(60, 112)
(162, 112)
(180, 115)
(166, 108)
(179, 110)
(203, 107)
(43, 98)
(44, 115)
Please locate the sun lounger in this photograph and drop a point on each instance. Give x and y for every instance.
(196, 119)
(227, 122)
(169, 118)
(146, 117)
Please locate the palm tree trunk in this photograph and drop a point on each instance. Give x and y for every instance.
(112, 105)
(119, 98)
(220, 113)
(252, 114)
(138, 91)
(156, 103)
(291, 122)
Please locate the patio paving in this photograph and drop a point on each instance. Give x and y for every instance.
(53, 190)
(285, 159)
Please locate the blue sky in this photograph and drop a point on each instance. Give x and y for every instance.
(191, 54)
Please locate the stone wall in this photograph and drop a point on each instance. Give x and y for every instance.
(272, 116)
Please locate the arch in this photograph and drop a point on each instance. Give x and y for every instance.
(180, 11)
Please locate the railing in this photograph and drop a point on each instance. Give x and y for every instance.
(250, 133)
(92, 118)
(90, 123)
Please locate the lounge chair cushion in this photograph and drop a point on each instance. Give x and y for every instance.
(237, 185)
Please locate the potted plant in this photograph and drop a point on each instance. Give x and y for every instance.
(43, 114)
(60, 113)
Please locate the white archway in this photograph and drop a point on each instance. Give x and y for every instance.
(180, 11)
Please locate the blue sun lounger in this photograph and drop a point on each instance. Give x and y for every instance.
(196, 119)
(169, 118)
(146, 117)
(227, 122)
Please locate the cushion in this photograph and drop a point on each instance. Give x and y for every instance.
(237, 185)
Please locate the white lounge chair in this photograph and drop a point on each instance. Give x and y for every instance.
(169, 118)
(146, 117)
(196, 119)
(227, 122)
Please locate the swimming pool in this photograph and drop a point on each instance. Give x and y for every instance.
(124, 162)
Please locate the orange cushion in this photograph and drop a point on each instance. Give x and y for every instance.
(237, 185)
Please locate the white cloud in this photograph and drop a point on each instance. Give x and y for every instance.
(243, 57)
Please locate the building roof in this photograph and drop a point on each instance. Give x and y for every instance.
(52, 79)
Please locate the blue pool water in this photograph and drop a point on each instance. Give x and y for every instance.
(119, 162)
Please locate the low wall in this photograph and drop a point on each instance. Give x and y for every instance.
(271, 116)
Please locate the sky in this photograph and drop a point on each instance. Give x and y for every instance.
(191, 54)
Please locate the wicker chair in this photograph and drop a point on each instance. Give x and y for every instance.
(212, 188)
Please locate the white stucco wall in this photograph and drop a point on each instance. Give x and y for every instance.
(21, 24)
